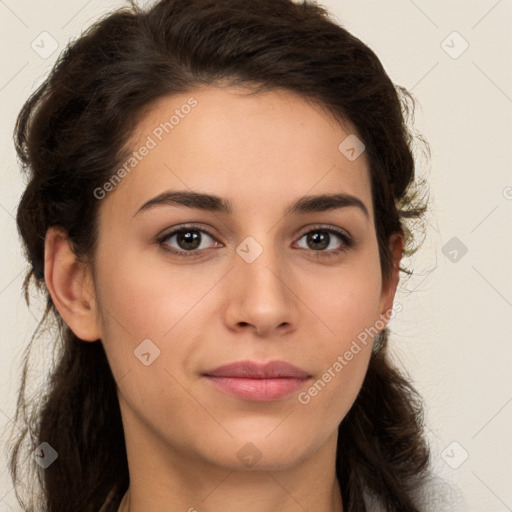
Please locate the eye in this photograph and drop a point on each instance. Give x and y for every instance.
(192, 240)
(189, 240)
(320, 238)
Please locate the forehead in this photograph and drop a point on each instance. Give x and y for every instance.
(267, 148)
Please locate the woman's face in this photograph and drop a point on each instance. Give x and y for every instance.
(252, 282)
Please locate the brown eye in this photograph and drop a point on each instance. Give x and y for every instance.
(187, 241)
(319, 239)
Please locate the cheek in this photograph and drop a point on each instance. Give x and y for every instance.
(143, 300)
(342, 359)
(142, 308)
(348, 307)
(348, 304)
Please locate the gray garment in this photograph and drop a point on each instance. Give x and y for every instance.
(437, 495)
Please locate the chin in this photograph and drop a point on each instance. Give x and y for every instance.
(258, 451)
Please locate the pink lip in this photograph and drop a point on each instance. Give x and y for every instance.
(259, 382)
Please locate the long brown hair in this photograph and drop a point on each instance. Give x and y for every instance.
(71, 135)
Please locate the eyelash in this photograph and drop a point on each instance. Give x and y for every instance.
(347, 241)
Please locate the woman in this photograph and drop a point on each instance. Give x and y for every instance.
(216, 210)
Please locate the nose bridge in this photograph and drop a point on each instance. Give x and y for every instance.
(260, 264)
(263, 297)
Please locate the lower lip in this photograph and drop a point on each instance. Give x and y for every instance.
(261, 390)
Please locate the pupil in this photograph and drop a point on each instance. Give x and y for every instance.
(319, 237)
(188, 239)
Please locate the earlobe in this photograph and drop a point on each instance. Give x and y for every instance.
(70, 286)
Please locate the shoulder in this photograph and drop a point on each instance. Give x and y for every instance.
(441, 495)
(436, 495)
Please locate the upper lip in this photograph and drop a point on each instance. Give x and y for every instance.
(253, 370)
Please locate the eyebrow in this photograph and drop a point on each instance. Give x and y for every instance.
(213, 203)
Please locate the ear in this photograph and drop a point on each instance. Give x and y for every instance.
(70, 284)
(396, 246)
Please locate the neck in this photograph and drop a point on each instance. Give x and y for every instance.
(165, 479)
(335, 504)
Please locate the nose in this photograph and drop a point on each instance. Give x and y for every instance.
(260, 294)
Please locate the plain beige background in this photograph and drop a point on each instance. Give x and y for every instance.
(453, 334)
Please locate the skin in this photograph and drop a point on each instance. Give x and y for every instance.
(261, 152)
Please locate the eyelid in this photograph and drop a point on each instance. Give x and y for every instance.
(325, 227)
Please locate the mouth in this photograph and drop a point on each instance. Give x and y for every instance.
(258, 382)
